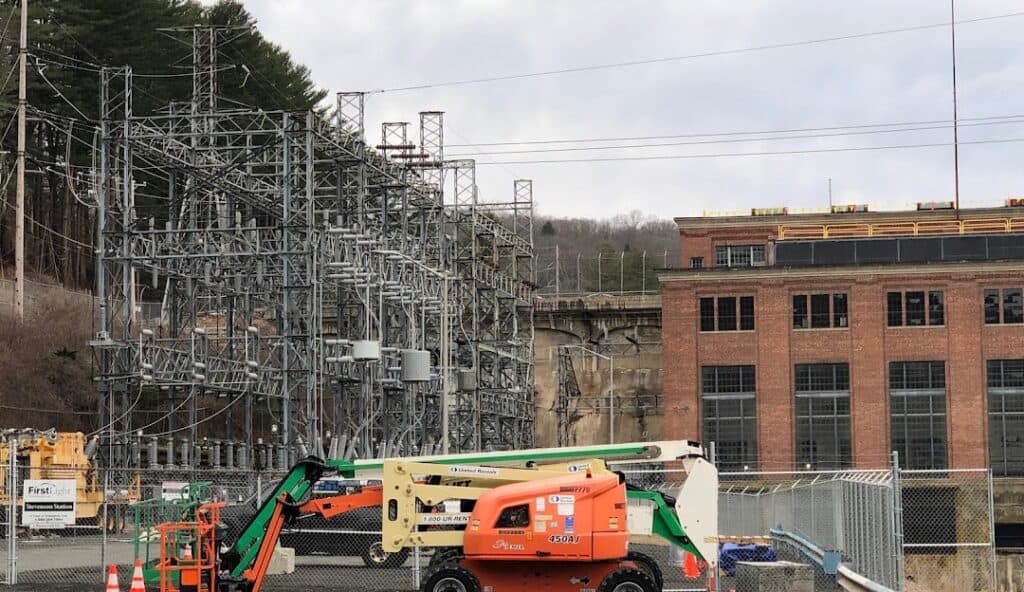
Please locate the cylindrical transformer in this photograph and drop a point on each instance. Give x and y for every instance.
(170, 453)
(467, 380)
(152, 460)
(415, 365)
(366, 350)
(184, 450)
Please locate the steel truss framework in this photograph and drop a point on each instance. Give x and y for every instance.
(288, 239)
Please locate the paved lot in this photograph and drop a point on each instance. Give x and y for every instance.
(73, 565)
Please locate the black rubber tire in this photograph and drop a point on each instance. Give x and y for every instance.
(648, 564)
(375, 556)
(447, 577)
(628, 579)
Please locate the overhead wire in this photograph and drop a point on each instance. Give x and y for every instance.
(665, 59)
(735, 140)
(854, 126)
(58, 92)
(747, 154)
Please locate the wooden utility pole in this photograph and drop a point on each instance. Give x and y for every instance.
(19, 224)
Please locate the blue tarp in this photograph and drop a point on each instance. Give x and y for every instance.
(730, 553)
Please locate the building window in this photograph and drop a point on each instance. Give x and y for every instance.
(727, 313)
(721, 313)
(820, 311)
(746, 313)
(707, 314)
(840, 316)
(696, 262)
(729, 415)
(1004, 306)
(823, 415)
(915, 308)
(1006, 417)
(917, 407)
(739, 255)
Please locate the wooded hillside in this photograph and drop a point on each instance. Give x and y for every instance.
(621, 241)
(69, 42)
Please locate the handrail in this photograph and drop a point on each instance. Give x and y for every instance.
(845, 576)
(901, 228)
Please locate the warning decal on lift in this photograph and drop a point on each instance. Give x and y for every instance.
(566, 504)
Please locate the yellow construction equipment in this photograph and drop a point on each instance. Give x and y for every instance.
(65, 455)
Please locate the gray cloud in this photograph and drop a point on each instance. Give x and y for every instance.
(364, 45)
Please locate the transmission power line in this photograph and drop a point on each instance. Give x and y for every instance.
(692, 56)
(747, 154)
(854, 126)
(731, 140)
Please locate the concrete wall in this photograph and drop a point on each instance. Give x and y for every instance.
(627, 329)
(1010, 572)
(1008, 500)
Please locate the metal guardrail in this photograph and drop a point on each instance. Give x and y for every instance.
(796, 231)
(830, 563)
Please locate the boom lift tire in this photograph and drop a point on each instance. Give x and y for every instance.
(649, 565)
(627, 579)
(452, 577)
(375, 556)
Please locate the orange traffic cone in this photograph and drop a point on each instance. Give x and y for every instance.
(112, 585)
(138, 584)
(690, 569)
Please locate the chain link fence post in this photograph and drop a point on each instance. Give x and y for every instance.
(992, 530)
(416, 575)
(104, 521)
(12, 512)
(897, 522)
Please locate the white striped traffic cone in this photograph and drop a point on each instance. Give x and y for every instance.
(138, 584)
(112, 585)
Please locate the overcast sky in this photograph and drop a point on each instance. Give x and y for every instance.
(900, 77)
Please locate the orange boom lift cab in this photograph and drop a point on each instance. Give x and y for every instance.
(561, 534)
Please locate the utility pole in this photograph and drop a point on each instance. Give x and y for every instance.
(956, 142)
(19, 223)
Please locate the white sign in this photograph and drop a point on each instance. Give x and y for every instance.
(170, 491)
(49, 503)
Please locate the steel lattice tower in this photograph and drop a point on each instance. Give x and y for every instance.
(366, 293)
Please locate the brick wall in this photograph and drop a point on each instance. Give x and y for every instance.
(965, 343)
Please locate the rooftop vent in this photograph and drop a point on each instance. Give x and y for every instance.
(849, 208)
(769, 211)
(934, 205)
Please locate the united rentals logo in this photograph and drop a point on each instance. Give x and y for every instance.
(503, 545)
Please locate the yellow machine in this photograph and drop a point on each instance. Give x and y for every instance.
(63, 455)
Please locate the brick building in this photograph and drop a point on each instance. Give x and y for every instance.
(829, 340)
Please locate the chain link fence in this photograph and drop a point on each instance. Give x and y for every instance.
(948, 531)
(851, 512)
(906, 530)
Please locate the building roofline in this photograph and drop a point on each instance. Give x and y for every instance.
(712, 222)
(711, 274)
